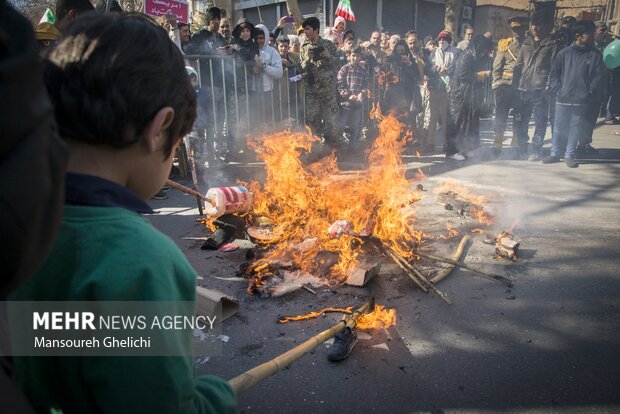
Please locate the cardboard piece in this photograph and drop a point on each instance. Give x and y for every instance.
(363, 273)
(207, 301)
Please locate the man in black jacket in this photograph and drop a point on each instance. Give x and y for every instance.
(211, 46)
(576, 78)
(532, 69)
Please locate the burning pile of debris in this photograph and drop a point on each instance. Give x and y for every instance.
(322, 227)
(460, 199)
(313, 226)
(317, 226)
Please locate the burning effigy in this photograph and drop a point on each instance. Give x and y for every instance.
(316, 225)
(324, 224)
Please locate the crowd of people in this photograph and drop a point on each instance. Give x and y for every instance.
(332, 81)
(248, 79)
(95, 125)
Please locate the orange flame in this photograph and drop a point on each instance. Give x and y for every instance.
(375, 111)
(482, 216)
(312, 315)
(380, 318)
(452, 232)
(452, 187)
(305, 201)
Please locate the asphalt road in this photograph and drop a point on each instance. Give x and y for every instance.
(549, 344)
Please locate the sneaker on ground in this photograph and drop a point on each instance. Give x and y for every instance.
(571, 163)
(534, 157)
(165, 189)
(458, 156)
(588, 149)
(344, 342)
(160, 196)
(551, 159)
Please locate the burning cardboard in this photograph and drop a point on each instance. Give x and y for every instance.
(363, 272)
(455, 196)
(304, 202)
(506, 246)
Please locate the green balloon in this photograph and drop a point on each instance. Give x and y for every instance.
(611, 54)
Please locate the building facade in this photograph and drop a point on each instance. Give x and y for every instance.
(395, 16)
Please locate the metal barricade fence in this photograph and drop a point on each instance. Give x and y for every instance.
(233, 104)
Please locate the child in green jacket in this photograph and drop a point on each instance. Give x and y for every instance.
(123, 102)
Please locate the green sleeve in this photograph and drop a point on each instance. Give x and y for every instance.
(154, 384)
(216, 389)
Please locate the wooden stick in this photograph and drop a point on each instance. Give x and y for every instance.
(420, 277)
(308, 289)
(248, 379)
(392, 255)
(432, 287)
(457, 256)
(400, 262)
(502, 279)
(189, 191)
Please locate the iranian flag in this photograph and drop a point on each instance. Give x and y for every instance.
(345, 11)
(48, 17)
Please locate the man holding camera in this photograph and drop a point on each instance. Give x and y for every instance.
(318, 60)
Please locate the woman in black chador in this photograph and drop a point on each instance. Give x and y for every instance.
(465, 96)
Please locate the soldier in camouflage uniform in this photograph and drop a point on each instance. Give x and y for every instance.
(318, 60)
(506, 96)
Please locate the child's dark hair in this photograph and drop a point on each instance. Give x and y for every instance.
(282, 40)
(63, 7)
(357, 50)
(311, 22)
(258, 32)
(584, 26)
(106, 90)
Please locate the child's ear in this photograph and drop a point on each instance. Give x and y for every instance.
(155, 131)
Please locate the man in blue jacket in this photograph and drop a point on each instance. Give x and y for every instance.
(576, 78)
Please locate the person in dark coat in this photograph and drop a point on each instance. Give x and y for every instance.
(243, 40)
(465, 98)
(33, 161)
(402, 94)
(577, 81)
(211, 46)
(532, 69)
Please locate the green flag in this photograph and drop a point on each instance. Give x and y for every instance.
(48, 17)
